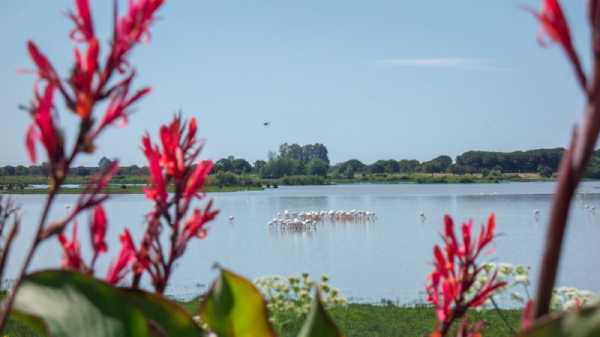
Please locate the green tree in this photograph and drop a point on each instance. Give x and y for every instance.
(259, 165)
(408, 166)
(317, 167)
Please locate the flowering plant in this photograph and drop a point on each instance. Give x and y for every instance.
(451, 286)
(88, 305)
(290, 298)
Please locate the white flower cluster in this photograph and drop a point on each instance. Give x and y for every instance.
(289, 298)
(565, 298)
(517, 285)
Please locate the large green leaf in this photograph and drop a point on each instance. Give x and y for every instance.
(319, 323)
(69, 304)
(165, 317)
(72, 304)
(234, 307)
(572, 323)
(32, 322)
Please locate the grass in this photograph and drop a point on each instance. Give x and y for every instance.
(126, 184)
(366, 320)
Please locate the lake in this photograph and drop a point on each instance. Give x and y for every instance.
(389, 258)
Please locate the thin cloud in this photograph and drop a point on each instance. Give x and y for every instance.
(444, 62)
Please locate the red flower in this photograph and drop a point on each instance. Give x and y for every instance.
(119, 269)
(83, 77)
(120, 102)
(173, 163)
(43, 128)
(72, 253)
(554, 23)
(98, 230)
(133, 27)
(455, 272)
(158, 191)
(84, 27)
(194, 226)
(172, 155)
(555, 26)
(197, 179)
(44, 67)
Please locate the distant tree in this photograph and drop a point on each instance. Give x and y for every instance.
(21, 170)
(457, 169)
(223, 165)
(291, 151)
(104, 163)
(281, 167)
(312, 151)
(391, 166)
(241, 166)
(355, 164)
(544, 171)
(9, 170)
(377, 167)
(317, 167)
(436, 165)
(408, 166)
(81, 171)
(258, 165)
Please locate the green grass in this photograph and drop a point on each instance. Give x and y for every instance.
(367, 320)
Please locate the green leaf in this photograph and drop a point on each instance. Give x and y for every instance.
(69, 304)
(234, 307)
(33, 322)
(319, 323)
(166, 317)
(572, 323)
(73, 304)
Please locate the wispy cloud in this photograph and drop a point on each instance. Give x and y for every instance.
(445, 62)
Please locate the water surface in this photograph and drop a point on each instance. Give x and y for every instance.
(386, 259)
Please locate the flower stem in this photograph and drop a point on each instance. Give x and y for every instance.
(11, 296)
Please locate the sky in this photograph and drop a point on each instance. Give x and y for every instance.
(380, 79)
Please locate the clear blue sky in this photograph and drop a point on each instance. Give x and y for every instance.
(370, 79)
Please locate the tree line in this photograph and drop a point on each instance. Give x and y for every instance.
(313, 160)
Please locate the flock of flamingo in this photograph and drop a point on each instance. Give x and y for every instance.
(308, 220)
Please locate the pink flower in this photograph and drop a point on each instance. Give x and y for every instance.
(455, 271)
(44, 67)
(82, 79)
(119, 268)
(72, 253)
(555, 27)
(196, 181)
(194, 227)
(158, 191)
(172, 153)
(98, 230)
(43, 128)
(84, 27)
(133, 27)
